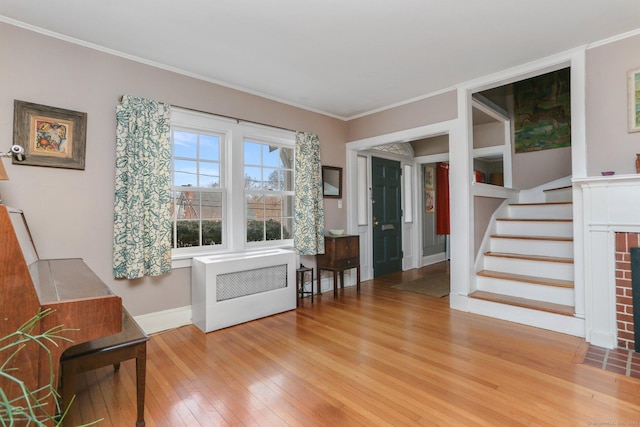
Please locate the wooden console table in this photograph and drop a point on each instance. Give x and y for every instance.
(340, 253)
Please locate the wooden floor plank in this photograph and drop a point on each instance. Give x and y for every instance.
(381, 357)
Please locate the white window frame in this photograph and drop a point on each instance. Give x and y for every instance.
(285, 193)
(232, 178)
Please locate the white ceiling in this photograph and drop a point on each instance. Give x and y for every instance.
(340, 57)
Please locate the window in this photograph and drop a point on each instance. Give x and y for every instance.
(197, 189)
(268, 190)
(233, 184)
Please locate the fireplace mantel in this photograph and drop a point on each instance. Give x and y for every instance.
(603, 206)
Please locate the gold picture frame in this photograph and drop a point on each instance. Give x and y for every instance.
(51, 136)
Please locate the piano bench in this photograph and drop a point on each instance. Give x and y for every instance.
(130, 343)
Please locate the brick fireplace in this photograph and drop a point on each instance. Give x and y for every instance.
(624, 302)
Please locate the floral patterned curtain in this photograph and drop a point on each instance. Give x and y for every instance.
(308, 236)
(142, 209)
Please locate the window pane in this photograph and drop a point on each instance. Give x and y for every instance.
(272, 206)
(187, 233)
(211, 205)
(185, 144)
(210, 147)
(255, 230)
(270, 155)
(287, 228)
(252, 153)
(209, 175)
(211, 232)
(273, 229)
(252, 178)
(187, 205)
(184, 173)
(286, 157)
(255, 206)
(287, 180)
(274, 179)
(287, 206)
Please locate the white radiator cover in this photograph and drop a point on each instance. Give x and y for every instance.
(229, 289)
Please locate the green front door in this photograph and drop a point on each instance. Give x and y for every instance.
(387, 216)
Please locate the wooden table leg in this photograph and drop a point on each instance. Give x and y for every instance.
(335, 284)
(141, 377)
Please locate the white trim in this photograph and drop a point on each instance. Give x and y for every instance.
(434, 259)
(160, 321)
(351, 172)
(614, 39)
(401, 103)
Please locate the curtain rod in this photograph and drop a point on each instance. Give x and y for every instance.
(229, 117)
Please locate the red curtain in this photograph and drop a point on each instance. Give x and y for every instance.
(442, 198)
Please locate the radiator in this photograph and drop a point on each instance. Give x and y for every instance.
(229, 289)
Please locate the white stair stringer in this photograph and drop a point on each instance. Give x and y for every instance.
(570, 325)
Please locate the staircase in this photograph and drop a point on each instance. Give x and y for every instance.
(527, 274)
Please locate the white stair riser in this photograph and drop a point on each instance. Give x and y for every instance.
(563, 249)
(539, 319)
(551, 270)
(557, 295)
(564, 195)
(535, 228)
(564, 211)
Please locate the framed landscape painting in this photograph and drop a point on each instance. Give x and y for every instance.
(50, 136)
(634, 100)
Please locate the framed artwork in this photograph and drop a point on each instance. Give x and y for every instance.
(429, 173)
(634, 100)
(50, 136)
(542, 112)
(429, 201)
(332, 182)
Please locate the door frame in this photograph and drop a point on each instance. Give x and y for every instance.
(359, 148)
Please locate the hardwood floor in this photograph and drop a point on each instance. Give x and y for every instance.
(379, 358)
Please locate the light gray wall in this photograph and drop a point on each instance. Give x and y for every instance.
(609, 145)
(427, 111)
(70, 212)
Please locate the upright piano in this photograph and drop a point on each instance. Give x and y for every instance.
(80, 301)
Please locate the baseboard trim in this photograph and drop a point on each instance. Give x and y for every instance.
(160, 321)
(434, 259)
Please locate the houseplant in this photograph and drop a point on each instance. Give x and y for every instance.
(39, 407)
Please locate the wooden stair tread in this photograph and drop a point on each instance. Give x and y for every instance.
(531, 257)
(548, 307)
(515, 236)
(535, 219)
(558, 188)
(528, 279)
(540, 203)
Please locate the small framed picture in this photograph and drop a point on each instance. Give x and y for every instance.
(50, 136)
(634, 100)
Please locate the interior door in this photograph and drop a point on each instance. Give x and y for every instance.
(386, 202)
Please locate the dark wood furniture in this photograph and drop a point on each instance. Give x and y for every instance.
(300, 276)
(130, 343)
(79, 299)
(340, 253)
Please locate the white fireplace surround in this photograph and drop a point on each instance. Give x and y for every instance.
(609, 204)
